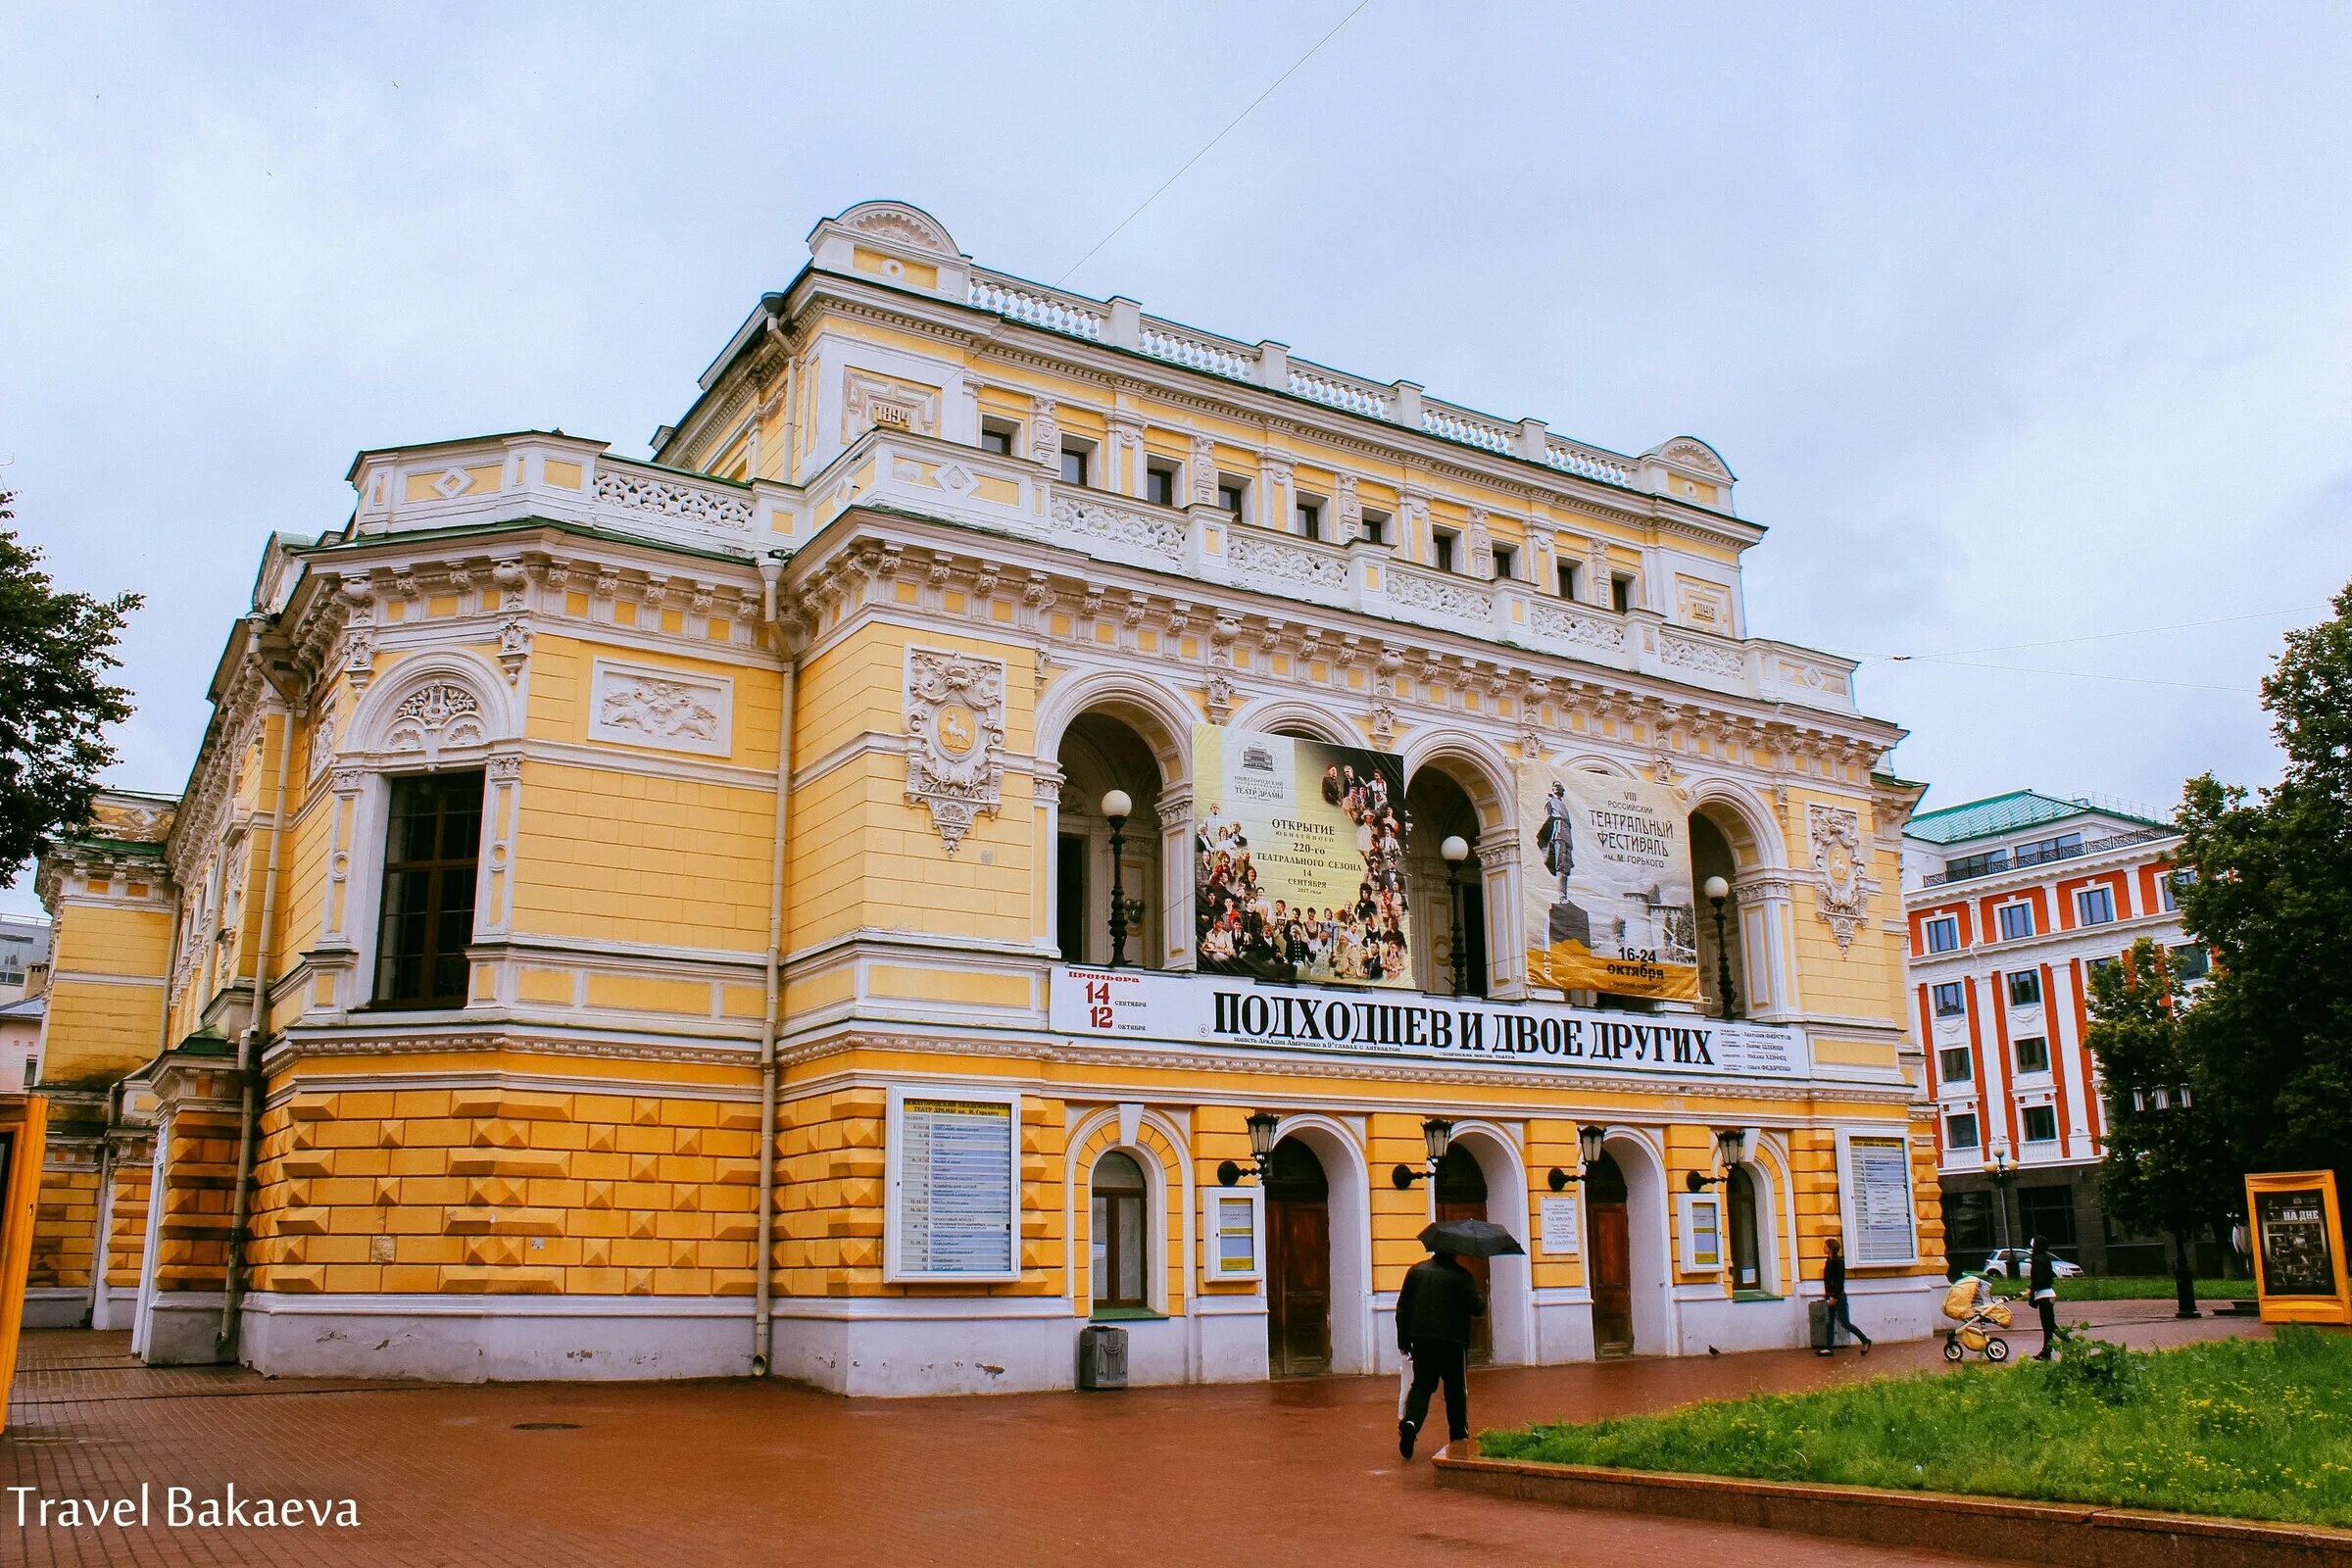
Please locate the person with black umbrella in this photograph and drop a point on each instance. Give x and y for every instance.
(1434, 1313)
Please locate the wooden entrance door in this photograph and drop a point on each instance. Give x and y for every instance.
(1463, 1195)
(1297, 1263)
(1611, 1261)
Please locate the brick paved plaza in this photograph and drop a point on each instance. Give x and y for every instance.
(1302, 1472)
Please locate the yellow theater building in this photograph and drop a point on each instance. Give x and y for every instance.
(1023, 814)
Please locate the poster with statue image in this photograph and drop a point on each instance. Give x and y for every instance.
(1606, 865)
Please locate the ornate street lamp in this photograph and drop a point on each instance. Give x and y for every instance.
(1456, 850)
(1718, 890)
(1589, 1139)
(1263, 1125)
(1115, 809)
(1731, 1147)
(1436, 1135)
(2002, 1171)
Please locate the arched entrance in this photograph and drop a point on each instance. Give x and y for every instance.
(1463, 1195)
(1101, 751)
(1297, 1263)
(1613, 1279)
(1747, 1263)
(1438, 808)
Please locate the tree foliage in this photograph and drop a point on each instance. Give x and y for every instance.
(2167, 1167)
(2270, 1039)
(55, 700)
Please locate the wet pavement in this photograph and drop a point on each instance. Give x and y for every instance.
(1264, 1474)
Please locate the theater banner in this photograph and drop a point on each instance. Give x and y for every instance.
(1204, 1010)
(1299, 850)
(1605, 864)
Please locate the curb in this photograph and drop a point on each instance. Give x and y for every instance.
(2071, 1535)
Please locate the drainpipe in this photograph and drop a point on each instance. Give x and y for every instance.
(764, 1322)
(106, 1160)
(250, 1108)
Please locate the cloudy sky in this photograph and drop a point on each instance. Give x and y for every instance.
(2024, 328)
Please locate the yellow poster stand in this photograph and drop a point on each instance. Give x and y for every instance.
(2298, 1255)
(24, 1135)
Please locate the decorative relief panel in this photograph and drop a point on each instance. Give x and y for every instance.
(1550, 620)
(434, 717)
(632, 490)
(676, 711)
(1120, 526)
(956, 728)
(1702, 605)
(871, 399)
(1843, 891)
(1702, 657)
(1463, 603)
(1281, 563)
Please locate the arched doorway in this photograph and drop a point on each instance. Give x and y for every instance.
(1297, 1263)
(1463, 1195)
(1438, 808)
(1101, 751)
(1747, 1263)
(1612, 1276)
(1711, 855)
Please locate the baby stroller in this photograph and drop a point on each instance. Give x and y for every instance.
(1974, 1312)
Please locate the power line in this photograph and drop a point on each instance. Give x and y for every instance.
(1211, 142)
(2102, 636)
(2084, 675)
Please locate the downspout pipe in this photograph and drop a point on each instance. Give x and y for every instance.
(764, 1321)
(107, 1158)
(250, 1108)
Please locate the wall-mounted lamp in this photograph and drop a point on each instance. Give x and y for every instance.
(1436, 1135)
(1589, 1139)
(1731, 1147)
(1264, 1125)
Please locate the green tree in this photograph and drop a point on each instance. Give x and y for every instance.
(2167, 1166)
(2269, 1041)
(55, 700)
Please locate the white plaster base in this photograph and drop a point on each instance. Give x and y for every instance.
(1907, 1307)
(113, 1308)
(1563, 1326)
(926, 1348)
(184, 1329)
(1721, 1324)
(50, 1306)
(474, 1339)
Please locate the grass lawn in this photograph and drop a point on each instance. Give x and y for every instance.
(2086, 1288)
(2251, 1429)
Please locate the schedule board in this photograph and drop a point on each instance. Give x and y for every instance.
(954, 1185)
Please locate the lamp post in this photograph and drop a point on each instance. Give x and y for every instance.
(1436, 1135)
(1589, 1139)
(1264, 1125)
(1456, 850)
(1718, 890)
(1999, 1167)
(2184, 1269)
(1731, 1147)
(1115, 807)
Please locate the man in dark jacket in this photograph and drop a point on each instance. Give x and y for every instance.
(1434, 1313)
(1832, 1285)
(2042, 1284)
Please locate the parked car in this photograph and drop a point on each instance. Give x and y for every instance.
(2010, 1261)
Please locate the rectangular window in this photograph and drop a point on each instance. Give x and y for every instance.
(1232, 495)
(1962, 867)
(2024, 988)
(2191, 961)
(1442, 543)
(2017, 921)
(1376, 527)
(2040, 1124)
(998, 436)
(1949, 1000)
(2032, 1054)
(1074, 465)
(2100, 965)
(1308, 513)
(1955, 1063)
(32, 1072)
(2094, 906)
(1944, 934)
(430, 846)
(1960, 1132)
(1570, 579)
(2048, 1211)
(1621, 593)
(1159, 485)
(1506, 561)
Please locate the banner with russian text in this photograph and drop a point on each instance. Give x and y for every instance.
(1300, 851)
(1605, 864)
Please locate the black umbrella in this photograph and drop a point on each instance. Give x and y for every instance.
(1470, 1237)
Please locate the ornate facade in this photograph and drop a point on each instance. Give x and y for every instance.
(651, 918)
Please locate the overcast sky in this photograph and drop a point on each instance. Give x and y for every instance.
(2022, 324)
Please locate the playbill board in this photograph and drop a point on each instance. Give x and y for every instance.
(1605, 862)
(1300, 871)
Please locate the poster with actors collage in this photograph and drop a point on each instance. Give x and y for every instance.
(1301, 872)
(1606, 865)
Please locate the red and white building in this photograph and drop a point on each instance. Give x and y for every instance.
(2012, 902)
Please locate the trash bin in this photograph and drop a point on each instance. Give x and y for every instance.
(1817, 1318)
(1102, 1356)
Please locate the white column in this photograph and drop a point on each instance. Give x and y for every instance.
(1176, 948)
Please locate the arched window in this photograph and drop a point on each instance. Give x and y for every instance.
(1747, 1270)
(1119, 1231)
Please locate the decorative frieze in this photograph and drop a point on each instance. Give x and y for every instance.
(954, 712)
(674, 711)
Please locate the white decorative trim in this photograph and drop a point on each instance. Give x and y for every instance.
(1842, 890)
(673, 709)
(954, 710)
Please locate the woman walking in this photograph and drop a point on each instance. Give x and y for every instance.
(1832, 1285)
(2041, 1283)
